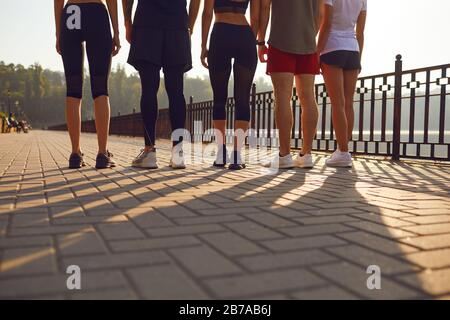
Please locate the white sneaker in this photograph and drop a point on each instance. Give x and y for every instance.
(340, 159)
(177, 160)
(305, 161)
(145, 159)
(221, 159)
(278, 162)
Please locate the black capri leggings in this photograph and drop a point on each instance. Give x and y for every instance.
(86, 22)
(229, 42)
(173, 80)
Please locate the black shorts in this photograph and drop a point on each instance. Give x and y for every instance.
(162, 47)
(347, 60)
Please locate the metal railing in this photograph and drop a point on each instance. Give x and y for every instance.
(399, 115)
(402, 114)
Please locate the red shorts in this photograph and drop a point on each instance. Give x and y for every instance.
(279, 61)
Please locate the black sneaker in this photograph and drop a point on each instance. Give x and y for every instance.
(236, 162)
(76, 161)
(104, 160)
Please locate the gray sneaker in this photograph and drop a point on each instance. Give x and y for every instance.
(146, 160)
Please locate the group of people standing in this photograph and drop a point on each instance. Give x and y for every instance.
(160, 38)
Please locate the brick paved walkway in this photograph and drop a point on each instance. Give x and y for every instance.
(206, 233)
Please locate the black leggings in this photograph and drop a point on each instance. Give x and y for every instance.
(86, 22)
(229, 42)
(173, 79)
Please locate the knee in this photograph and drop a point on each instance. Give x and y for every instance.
(74, 86)
(99, 86)
(175, 95)
(307, 98)
(349, 105)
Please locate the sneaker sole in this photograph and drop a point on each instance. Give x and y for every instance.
(345, 164)
(144, 167)
(280, 168)
(178, 167)
(77, 165)
(305, 167)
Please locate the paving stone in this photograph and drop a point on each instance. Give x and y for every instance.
(253, 230)
(80, 244)
(149, 218)
(284, 260)
(315, 230)
(429, 229)
(54, 284)
(324, 293)
(355, 279)
(119, 260)
(231, 244)
(203, 233)
(434, 282)
(51, 230)
(165, 279)
(429, 242)
(152, 244)
(39, 260)
(184, 230)
(21, 242)
(434, 259)
(365, 257)
(377, 243)
(208, 220)
(120, 231)
(263, 283)
(193, 258)
(110, 294)
(29, 220)
(304, 243)
(380, 229)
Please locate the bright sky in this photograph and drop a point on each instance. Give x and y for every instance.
(414, 28)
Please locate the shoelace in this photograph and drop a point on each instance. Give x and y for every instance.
(140, 155)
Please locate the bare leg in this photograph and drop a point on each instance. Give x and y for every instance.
(334, 81)
(282, 84)
(310, 113)
(73, 118)
(219, 130)
(350, 79)
(102, 116)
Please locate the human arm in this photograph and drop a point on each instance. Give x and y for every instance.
(194, 7)
(255, 15)
(58, 8)
(262, 30)
(360, 26)
(112, 8)
(325, 27)
(207, 16)
(127, 6)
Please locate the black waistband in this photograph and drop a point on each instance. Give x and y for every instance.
(230, 10)
(86, 4)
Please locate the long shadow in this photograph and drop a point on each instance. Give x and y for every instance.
(323, 213)
(300, 214)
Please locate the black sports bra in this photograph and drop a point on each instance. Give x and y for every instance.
(233, 6)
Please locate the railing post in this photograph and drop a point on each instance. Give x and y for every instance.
(397, 108)
(190, 117)
(253, 111)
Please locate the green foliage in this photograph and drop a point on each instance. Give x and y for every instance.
(38, 95)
